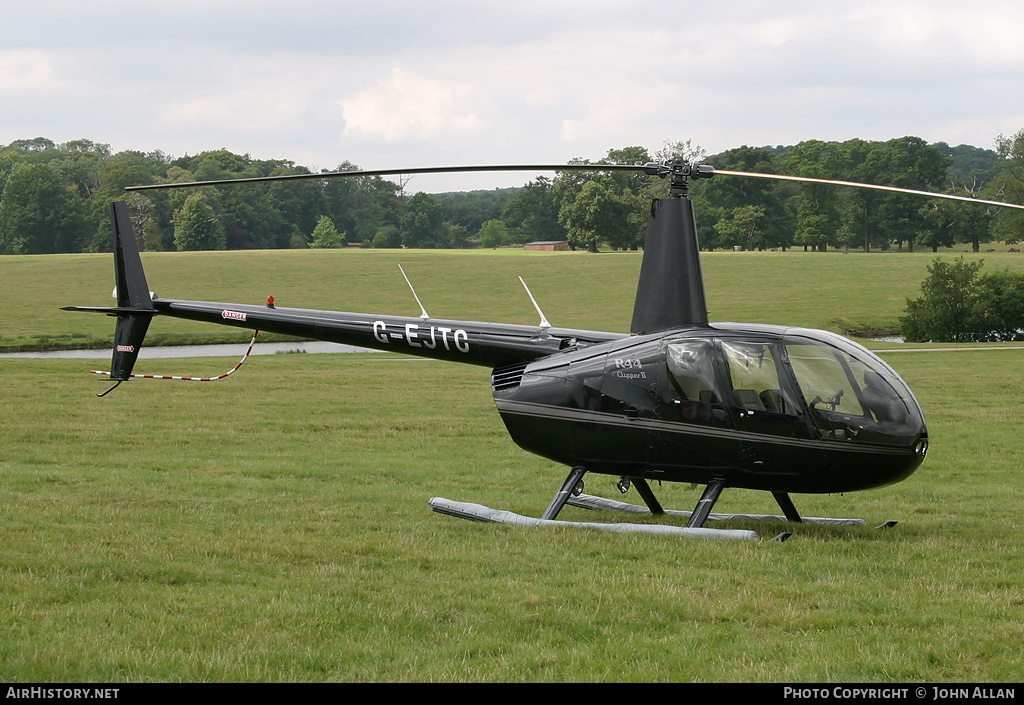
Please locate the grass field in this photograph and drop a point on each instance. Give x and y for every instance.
(275, 526)
(576, 289)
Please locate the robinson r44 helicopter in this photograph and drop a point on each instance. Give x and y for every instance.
(679, 399)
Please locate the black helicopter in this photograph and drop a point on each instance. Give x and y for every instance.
(763, 407)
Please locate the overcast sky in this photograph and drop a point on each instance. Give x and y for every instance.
(441, 82)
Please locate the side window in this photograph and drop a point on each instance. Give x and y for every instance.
(755, 379)
(690, 371)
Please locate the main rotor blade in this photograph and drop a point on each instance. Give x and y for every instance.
(857, 184)
(649, 168)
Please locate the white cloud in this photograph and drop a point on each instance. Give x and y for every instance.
(29, 70)
(405, 106)
(455, 81)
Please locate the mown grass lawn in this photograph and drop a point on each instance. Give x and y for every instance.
(831, 290)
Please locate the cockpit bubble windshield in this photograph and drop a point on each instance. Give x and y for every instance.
(851, 392)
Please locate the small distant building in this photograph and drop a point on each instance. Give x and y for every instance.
(548, 245)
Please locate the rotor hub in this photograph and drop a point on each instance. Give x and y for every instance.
(679, 173)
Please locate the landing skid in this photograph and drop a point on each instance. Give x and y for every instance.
(478, 512)
(572, 488)
(586, 501)
(702, 512)
(571, 492)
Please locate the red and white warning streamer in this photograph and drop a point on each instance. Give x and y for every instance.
(192, 379)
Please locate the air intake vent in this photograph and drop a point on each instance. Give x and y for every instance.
(507, 376)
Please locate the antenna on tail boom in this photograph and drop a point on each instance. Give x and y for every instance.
(423, 312)
(543, 319)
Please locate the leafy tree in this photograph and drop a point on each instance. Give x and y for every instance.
(971, 165)
(533, 214)
(1011, 151)
(910, 163)
(196, 226)
(326, 235)
(252, 220)
(906, 162)
(423, 222)
(38, 213)
(140, 211)
(388, 237)
(124, 169)
(80, 162)
(457, 237)
(818, 206)
(999, 309)
(471, 209)
(282, 214)
(633, 181)
(37, 145)
(716, 198)
(1009, 186)
(943, 223)
(340, 196)
(600, 212)
(300, 203)
(945, 311)
(948, 221)
(361, 205)
(219, 164)
(627, 156)
(740, 226)
(860, 207)
(959, 304)
(8, 160)
(494, 233)
(679, 149)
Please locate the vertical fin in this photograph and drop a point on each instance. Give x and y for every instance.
(132, 290)
(670, 292)
(132, 293)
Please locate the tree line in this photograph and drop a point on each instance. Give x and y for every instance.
(56, 198)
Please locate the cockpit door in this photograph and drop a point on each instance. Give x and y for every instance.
(693, 426)
(767, 408)
(693, 392)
